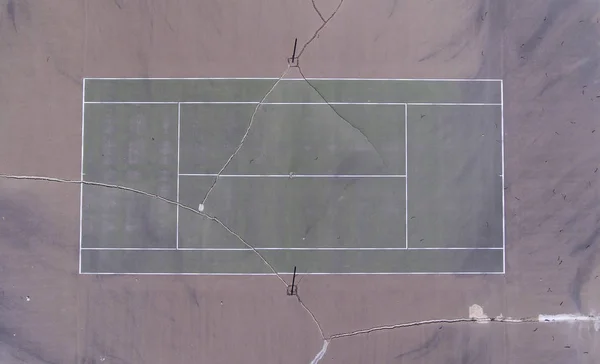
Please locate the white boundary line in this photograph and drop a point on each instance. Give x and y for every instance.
(299, 79)
(453, 104)
(289, 273)
(406, 174)
(293, 103)
(138, 249)
(458, 248)
(292, 176)
(503, 173)
(81, 173)
(291, 249)
(178, 159)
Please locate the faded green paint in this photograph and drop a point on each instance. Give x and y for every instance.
(296, 91)
(454, 182)
(246, 261)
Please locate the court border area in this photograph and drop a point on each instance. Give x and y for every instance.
(404, 104)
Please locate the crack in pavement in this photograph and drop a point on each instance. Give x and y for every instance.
(359, 130)
(398, 326)
(151, 195)
(317, 10)
(499, 319)
(559, 318)
(311, 315)
(241, 144)
(325, 22)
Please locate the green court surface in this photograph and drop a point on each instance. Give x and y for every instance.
(334, 176)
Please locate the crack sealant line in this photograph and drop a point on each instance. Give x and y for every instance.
(245, 134)
(321, 353)
(397, 326)
(158, 197)
(343, 118)
(319, 30)
(560, 318)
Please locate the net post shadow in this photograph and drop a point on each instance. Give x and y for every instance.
(292, 290)
(293, 61)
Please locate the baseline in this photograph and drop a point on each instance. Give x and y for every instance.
(293, 103)
(301, 79)
(290, 249)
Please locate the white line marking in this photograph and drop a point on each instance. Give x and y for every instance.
(292, 103)
(406, 173)
(458, 248)
(134, 102)
(294, 175)
(140, 249)
(290, 249)
(453, 104)
(300, 79)
(178, 159)
(290, 273)
(503, 173)
(82, 173)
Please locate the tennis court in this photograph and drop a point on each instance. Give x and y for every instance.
(352, 176)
